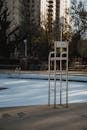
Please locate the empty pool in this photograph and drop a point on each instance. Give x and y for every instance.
(30, 91)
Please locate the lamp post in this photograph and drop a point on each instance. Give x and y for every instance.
(25, 45)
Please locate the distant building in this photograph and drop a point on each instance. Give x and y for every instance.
(14, 7)
(34, 9)
(22, 11)
(21, 14)
(62, 7)
(44, 11)
(62, 16)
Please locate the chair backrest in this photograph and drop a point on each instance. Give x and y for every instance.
(60, 45)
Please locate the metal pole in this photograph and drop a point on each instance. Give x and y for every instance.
(49, 71)
(61, 69)
(49, 81)
(55, 77)
(67, 79)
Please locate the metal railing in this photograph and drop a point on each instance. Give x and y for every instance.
(54, 58)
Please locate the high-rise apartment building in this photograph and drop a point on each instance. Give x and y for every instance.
(14, 7)
(34, 7)
(44, 11)
(23, 11)
(43, 15)
(62, 10)
(59, 10)
(23, 15)
(15, 15)
(62, 15)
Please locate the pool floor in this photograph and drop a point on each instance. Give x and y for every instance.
(24, 92)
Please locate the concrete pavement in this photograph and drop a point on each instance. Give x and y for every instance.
(44, 118)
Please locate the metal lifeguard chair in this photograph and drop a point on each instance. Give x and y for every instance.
(59, 54)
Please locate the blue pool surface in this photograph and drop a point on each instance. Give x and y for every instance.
(24, 92)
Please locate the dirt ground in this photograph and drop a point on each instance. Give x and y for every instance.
(44, 118)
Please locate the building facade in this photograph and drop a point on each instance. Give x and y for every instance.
(21, 14)
(60, 7)
(13, 7)
(62, 15)
(35, 11)
(44, 11)
(23, 11)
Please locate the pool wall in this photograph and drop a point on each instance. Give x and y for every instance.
(78, 78)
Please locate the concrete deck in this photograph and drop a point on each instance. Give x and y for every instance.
(44, 118)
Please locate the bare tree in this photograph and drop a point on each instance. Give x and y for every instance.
(79, 20)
